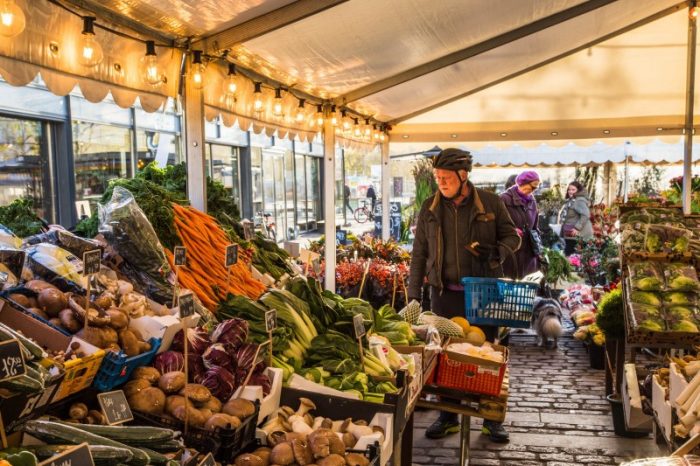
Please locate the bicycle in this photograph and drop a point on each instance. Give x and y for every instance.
(362, 213)
(270, 228)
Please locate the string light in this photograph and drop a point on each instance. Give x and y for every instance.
(90, 50)
(319, 115)
(277, 106)
(357, 130)
(12, 20)
(197, 69)
(334, 116)
(149, 63)
(258, 98)
(693, 11)
(367, 130)
(228, 96)
(346, 122)
(375, 133)
(300, 112)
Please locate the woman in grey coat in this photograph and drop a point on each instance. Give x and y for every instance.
(575, 217)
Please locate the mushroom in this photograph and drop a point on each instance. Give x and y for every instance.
(282, 454)
(357, 430)
(264, 454)
(318, 423)
(95, 317)
(289, 436)
(272, 425)
(320, 442)
(327, 423)
(332, 460)
(348, 439)
(356, 459)
(302, 452)
(277, 437)
(305, 405)
(301, 427)
(309, 419)
(249, 459)
(336, 425)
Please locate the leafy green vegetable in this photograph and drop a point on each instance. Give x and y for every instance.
(610, 316)
(20, 218)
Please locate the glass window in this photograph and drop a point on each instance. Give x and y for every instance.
(32, 99)
(106, 112)
(163, 148)
(301, 207)
(313, 188)
(24, 167)
(257, 183)
(101, 153)
(224, 168)
(289, 194)
(166, 119)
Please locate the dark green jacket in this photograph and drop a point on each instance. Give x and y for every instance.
(488, 223)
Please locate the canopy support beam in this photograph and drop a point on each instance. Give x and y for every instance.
(477, 49)
(689, 108)
(386, 190)
(329, 199)
(590, 44)
(194, 143)
(256, 27)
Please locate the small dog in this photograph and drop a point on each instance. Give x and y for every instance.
(546, 321)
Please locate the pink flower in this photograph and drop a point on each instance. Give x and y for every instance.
(575, 260)
(593, 263)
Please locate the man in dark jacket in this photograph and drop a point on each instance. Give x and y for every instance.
(372, 196)
(462, 231)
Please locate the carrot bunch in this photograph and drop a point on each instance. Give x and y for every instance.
(205, 273)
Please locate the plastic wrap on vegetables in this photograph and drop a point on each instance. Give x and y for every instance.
(128, 231)
(682, 318)
(650, 318)
(8, 239)
(49, 261)
(63, 239)
(666, 239)
(681, 277)
(11, 264)
(646, 276)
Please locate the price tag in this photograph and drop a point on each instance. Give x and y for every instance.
(91, 262)
(358, 323)
(248, 231)
(115, 407)
(207, 461)
(231, 255)
(186, 305)
(270, 320)
(180, 255)
(11, 360)
(78, 456)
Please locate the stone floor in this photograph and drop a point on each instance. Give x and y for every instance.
(557, 415)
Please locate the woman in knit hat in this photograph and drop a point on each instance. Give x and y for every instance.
(522, 207)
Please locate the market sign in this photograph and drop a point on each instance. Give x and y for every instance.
(394, 220)
(78, 456)
(11, 360)
(115, 407)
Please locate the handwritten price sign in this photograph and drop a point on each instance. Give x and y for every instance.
(11, 360)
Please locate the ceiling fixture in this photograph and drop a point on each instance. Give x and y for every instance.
(277, 106)
(659, 129)
(405, 136)
(693, 11)
(334, 116)
(301, 112)
(12, 20)
(503, 135)
(149, 62)
(90, 50)
(357, 130)
(606, 131)
(319, 115)
(346, 121)
(554, 133)
(258, 101)
(453, 136)
(231, 84)
(197, 69)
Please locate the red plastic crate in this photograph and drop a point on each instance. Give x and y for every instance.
(470, 377)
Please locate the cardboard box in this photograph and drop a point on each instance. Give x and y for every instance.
(635, 419)
(662, 408)
(78, 372)
(386, 422)
(427, 356)
(162, 326)
(676, 383)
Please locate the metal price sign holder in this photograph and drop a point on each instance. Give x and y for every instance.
(179, 259)
(270, 326)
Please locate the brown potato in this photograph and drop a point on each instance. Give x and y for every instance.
(195, 416)
(172, 382)
(146, 372)
(52, 301)
(150, 400)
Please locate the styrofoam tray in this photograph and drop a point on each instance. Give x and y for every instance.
(271, 402)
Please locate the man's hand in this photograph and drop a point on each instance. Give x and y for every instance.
(486, 253)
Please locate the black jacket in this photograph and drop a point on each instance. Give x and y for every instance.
(488, 223)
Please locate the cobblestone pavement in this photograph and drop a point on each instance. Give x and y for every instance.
(557, 415)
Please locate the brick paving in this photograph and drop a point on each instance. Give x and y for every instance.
(557, 415)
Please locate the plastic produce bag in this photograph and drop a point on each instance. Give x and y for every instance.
(667, 239)
(8, 239)
(65, 239)
(57, 266)
(646, 276)
(128, 231)
(681, 277)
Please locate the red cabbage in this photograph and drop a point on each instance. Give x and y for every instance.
(169, 361)
(262, 380)
(245, 356)
(195, 367)
(198, 340)
(232, 333)
(220, 383)
(217, 355)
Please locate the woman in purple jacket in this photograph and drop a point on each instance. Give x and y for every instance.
(522, 207)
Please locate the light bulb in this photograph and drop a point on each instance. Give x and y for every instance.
(231, 83)
(149, 65)
(375, 133)
(334, 116)
(197, 69)
(277, 105)
(90, 50)
(345, 121)
(367, 130)
(12, 20)
(319, 115)
(300, 112)
(357, 130)
(258, 102)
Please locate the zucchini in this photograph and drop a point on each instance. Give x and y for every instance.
(155, 457)
(135, 436)
(54, 432)
(22, 384)
(167, 446)
(102, 455)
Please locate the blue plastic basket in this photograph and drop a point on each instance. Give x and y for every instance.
(498, 302)
(117, 367)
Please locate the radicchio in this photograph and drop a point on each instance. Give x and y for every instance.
(262, 380)
(232, 333)
(217, 355)
(195, 367)
(245, 356)
(198, 341)
(220, 383)
(169, 361)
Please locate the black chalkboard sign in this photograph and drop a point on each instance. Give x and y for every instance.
(270, 320)
(11, 360)
(180, 255)
(186, 305)
(341, 237)
(358, 323)
(248, 231)
(208, 461)
(78, 456)
(231, 255)
(91, 262)
(115, 407)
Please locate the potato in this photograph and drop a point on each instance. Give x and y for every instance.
(135, 386)
(52, 301)
(129, 343)
(172, 382)
(146, 372)
(239, 407)
(213, 404)
(69, 321)
(196, 392)
(222, 421)
(173, 401)
(117, 319)
(102, 337)
(78, 411)
(150, 400)
(195, 416)
(20, 299)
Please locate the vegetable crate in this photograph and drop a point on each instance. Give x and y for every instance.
(471, 374)
(117, 367)
(29, 293)
(224, 444)
(498, 302)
